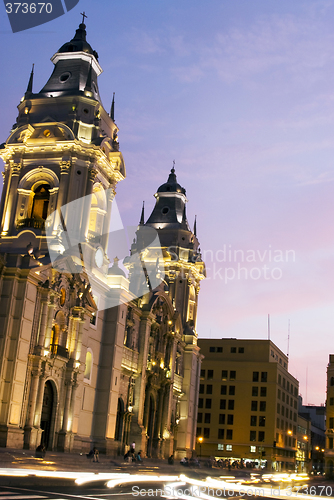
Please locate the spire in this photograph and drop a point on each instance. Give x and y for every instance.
(142, 220)
(112, 110)
(195, 226)
(172, 176)
(31, 79)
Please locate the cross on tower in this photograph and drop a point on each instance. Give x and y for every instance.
(83, 17)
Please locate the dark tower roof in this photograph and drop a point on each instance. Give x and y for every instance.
(79, 43)
(169, 210)
(171, 186)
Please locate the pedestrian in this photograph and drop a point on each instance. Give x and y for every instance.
(96, 454)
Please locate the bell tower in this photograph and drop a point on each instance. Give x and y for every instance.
(63, 147)
(62, 165)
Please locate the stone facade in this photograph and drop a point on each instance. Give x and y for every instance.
(90, 356)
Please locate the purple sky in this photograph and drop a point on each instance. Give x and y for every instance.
(241, 95)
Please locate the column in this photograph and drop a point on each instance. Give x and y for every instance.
(62, 193)
(32, 399)
(157, 427)
(106, 224)
(79, 343)
(72, 405)
(39, 401)
(49, 323)
(92, 173)
(43, 323)
(12, 197)
(5, 176)
(68, 386)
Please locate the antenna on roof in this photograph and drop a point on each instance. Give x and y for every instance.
(268, 326)
(288, 339)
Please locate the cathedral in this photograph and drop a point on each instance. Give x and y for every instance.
(91, 355)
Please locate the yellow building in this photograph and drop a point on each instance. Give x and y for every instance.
(247, 409)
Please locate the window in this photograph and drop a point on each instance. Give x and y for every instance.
(282, 411)
(252, 436)
(253, 449)
(233, 350)
(255, 391)
(263, 405)
(330, 443)
(209, 389)
(262, 421)
(279, 393)
(261, 436)
(224, 374)
(219, 349)
(208, 403)
(279, 379)
(88, 366)
(278, 408)
(228, 447)
(200, 402)
(198, 431)
(207, 418)
(277, 423)
(212, 349)
(231, 404)
(223, 390)
(229, 434)
(241, 350)
(206, 432)
(255, 376)
(220, 446)
(202, 374)
(210, 374)
(287, 386)
(229, 419)
(331, 422)
(222, 404)
(253, 420)
(283, 397)
(263, 392)
(284, 382)
(287, 399)
(222, 418)
(231, 390)
(331, 401)
(201, 388)
(221, 433)
(264, 376)
(254, 406)
(232, 375)
(199, 417)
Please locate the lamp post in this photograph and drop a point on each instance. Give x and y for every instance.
(200, 440)
(307, 452)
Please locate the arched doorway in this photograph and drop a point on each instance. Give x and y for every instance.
(46, 418)
(119, 420)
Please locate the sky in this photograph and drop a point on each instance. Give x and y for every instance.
(241, 95)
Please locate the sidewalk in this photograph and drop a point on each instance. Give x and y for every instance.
(76, 462)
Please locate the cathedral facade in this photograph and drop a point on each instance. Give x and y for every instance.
(90, 356)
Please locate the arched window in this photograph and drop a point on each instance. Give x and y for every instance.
(41, 202)
(89, 366)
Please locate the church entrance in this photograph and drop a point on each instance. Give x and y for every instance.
(46, 418)
(150, 427)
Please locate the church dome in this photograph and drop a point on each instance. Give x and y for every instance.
(79, 43)
(171, 185)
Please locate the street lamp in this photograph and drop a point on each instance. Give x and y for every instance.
(200, 440)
